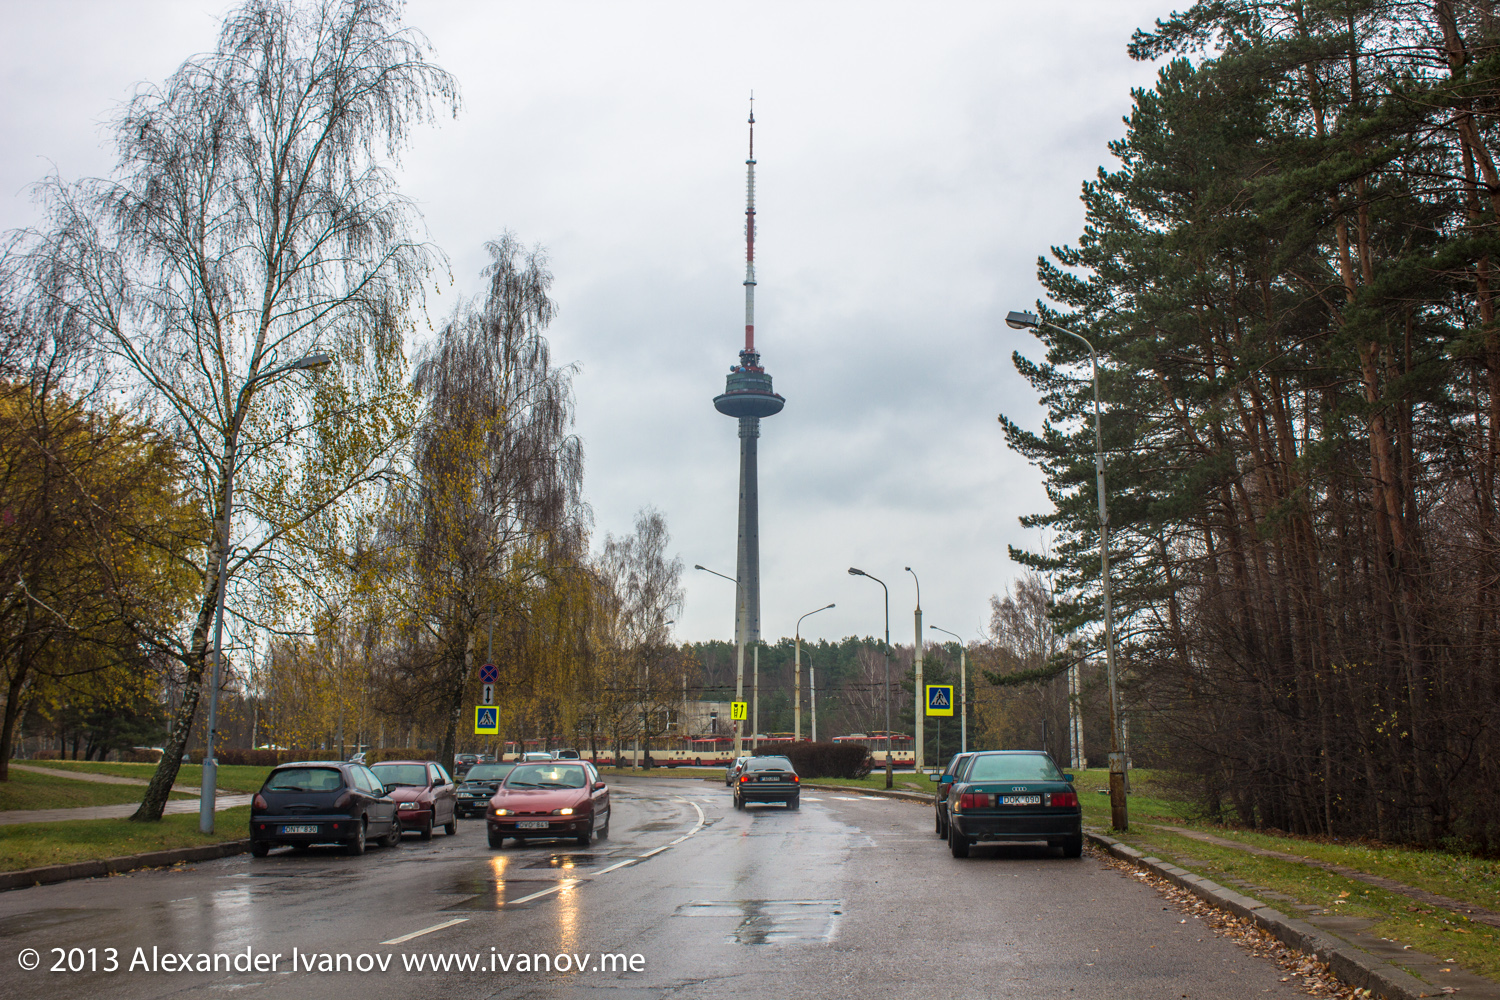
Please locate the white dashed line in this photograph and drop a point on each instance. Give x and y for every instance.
(538, 895)
(427, 930)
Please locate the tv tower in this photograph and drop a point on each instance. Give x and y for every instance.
(747, 396)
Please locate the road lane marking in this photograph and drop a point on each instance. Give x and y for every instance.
(658, 850)
(848, 798)
(809, 798)
(537, 895)
(617, 864)
(428, 930)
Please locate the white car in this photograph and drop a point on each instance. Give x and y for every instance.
(535, 756)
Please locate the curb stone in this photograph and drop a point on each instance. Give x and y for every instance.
(1350, 964)
(110, 866)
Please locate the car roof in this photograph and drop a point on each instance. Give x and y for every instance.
(316, 763)
(422, 762)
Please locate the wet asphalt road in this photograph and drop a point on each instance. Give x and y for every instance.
(848, 897)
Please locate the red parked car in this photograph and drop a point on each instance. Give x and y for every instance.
(560, 798)
(425, 795)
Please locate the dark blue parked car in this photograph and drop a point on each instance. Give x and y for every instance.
(1013, 795)
(323, 802)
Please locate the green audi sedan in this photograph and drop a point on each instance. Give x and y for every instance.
(1010, 796)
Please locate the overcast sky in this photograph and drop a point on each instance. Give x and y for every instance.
(914, 159)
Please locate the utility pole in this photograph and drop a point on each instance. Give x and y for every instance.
(920, 710)
(797, 700)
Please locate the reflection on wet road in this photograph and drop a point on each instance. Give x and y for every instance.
(849, 895)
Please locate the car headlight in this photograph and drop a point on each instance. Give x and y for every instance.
(412, 805)
(501, 812)
(563, 812)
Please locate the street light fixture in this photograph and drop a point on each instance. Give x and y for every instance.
(963, 694)
(739, 649)
(1118, 807)
(209, 783)
(797, 686)
(890, 780)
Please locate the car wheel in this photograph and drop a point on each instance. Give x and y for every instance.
(794, 803)
(957, 842)
(451, 829)
(496, 841)
(427, 831)
(585, 838)
(603, 833)
(356, 846)
(393, 835)
(937, 822)
(1073, 847)
(738, 802)
(260, 848)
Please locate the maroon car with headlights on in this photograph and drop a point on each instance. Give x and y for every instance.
(559, 798)
(425, 795)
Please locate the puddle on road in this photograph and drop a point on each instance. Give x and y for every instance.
(485, 894)
(773, 921)
(566, 861)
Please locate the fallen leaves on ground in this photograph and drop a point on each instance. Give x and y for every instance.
(1303, 972)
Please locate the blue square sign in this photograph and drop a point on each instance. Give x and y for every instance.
(939, 699)
(486, 720)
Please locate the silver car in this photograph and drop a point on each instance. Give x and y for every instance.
(732, 772)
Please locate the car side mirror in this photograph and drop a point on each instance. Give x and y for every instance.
(946, 779)
(599, 786)
(1068, 778)
(387, 789)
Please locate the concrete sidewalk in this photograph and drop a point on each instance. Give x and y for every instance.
(124, 811)
(103, 779)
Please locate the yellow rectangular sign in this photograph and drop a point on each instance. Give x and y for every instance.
(738, 710)
(486, 720)
(939, 699)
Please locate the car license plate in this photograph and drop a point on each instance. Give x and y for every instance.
(300, 829)
(532, 824)
(1020, 800)
(771, 778)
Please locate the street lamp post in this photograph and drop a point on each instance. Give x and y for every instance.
(919, 709)
(963, 694)
(812, 700)
(1118, 807)
(209, 782)
(797, 684)
(890, 780)
(739, 648)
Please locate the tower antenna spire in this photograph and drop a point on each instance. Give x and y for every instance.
(750, 360)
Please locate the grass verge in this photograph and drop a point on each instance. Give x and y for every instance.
(1439, 933)
(31, 845)
(232, 777)
(29, 790)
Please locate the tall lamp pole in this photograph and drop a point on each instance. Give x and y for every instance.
(739, 648)
(890, 780)
(963, 694)
(1118, 807)
(797, 685)
(812, 699)
(210, 780)
(919, 709)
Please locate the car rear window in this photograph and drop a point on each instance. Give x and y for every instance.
(489, 772)
(1013, 767)
(546, 776)
(402, 774)
(769, 764)
(305, 779)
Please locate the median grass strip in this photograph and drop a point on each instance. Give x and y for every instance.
(29, 790)
(232, 777)
(32, 845)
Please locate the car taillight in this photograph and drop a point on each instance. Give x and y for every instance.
(744, 777)
(1065, 799)
(796, 780)
(260, 802)
(971, 800)
(342, 801)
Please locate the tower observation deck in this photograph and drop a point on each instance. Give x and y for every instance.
(748, 397)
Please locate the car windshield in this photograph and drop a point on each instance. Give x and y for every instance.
(305, 779)
(489, 772)
(545, 776)
(1013, 767)
(401, 774)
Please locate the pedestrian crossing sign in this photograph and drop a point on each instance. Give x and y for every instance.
(737, 710)
(486, 720)
(940, 699)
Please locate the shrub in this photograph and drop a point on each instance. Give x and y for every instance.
(48, 755)
(140, 756)
(254, 758)
(825, 760)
